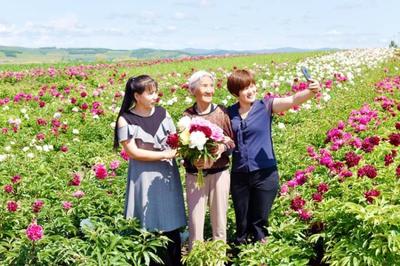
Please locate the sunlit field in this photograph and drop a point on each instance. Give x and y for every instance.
(62, 185)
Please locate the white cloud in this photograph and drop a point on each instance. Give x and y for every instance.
(6, 28)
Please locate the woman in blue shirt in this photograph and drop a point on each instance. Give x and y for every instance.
(254, 176)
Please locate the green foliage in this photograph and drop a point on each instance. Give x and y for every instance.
(207, 253)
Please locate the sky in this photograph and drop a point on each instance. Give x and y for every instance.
(205, 24)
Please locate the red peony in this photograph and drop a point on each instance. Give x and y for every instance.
(394, 139)
(352, 159)
(371, 194)
(297, 203)
(323, 187)
(173, 140)
(367, 170)
(317, 197)
(37, 206)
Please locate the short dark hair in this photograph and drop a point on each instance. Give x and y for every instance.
(239, 80)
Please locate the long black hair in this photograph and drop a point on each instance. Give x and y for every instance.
(134, 85)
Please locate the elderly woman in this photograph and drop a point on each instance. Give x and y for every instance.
(254, 175)
(215, 191)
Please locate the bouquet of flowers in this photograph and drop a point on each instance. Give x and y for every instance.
(196, 138)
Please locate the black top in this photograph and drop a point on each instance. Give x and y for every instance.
(149, 124)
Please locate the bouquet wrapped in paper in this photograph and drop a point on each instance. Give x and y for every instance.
(196, 138)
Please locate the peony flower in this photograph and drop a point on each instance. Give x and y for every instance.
(15, 179)
(124, 155)
(34, 232)
(389, 159)
(197, 140)
(184, 123)
(317, 197)
(12, 206)
(398, 171)
(173, 141)
(66, 205)
(76, 180)
(304, 215)
(367, 170)
(284, 189)
(394, 139)
(114, 164)
(352, 159)
(370, 195)
(64, 148)
(78, 194)
(8, 188)
(297, 203)
(37, 206)
(322, 188)
(100, 171)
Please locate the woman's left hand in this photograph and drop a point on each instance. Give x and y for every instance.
(218, 149)
(314, 86)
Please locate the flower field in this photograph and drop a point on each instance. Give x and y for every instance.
(62, 186)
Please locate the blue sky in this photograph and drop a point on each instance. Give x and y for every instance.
(176, 24)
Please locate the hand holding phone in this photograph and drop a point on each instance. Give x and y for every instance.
(307, 75)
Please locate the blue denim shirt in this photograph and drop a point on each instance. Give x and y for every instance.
(254, 150)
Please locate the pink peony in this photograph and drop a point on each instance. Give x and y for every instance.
(8, 188)
(284, 189)
(64, 148)
(322, 188)
(124, 155)
(15, 179)
(34, 232)
(317, 197)
(37, 206)
(12, 206)
(114, 164)
(78, 194)
(100, 171)
(66, 205)
(304, 215)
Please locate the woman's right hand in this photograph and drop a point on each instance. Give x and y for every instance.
(169, 154)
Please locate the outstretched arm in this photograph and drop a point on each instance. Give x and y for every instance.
(285, 103)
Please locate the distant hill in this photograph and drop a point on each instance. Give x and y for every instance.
(12, 55)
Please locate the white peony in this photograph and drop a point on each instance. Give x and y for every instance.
(3, 157)
(197, 140)
(184, 123)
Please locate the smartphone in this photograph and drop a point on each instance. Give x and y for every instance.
(307, 75)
